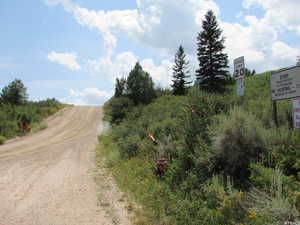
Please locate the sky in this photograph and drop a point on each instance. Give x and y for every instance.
(73, 50)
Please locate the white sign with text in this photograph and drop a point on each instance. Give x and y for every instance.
(285, 84)
(239, 67)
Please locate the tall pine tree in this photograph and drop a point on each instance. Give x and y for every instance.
(180, 73)
(213, 62)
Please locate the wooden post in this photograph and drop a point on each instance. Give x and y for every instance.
(274, 107)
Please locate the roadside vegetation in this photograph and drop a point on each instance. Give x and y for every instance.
(225, 162)
(19, 116)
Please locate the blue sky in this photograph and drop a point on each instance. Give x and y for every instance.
(74, 50)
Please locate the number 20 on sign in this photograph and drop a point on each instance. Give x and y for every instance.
(239, 67)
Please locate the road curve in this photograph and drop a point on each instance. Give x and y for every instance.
(46, 178)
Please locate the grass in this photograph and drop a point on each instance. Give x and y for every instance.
(2, 140)
(38, 127)
(132, 182)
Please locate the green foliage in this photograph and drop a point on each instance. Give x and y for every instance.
(223, 157)
(120, 87)
(116, 108)
(285, 145)
(213, 62)
(249, 73)
(14, 93)
(2, 140)
(272, 200)
(38, 127)
(238, 140)
(140, 87)
(11, 116)
(180, 73)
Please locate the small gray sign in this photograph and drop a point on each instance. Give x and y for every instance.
(285, 84)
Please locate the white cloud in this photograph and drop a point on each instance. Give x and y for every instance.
(283, 54)
(284, 15)
(67, 4)
(175, 21)
(123, 63)
(259, 44)
(88, 96)
(109, 22)
(259, 41)
(164, 25)
(161, 74)
(113, 67)
(66, 59)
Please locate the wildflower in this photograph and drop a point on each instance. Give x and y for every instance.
(252, 215)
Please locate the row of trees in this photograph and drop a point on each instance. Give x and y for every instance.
(212, 75)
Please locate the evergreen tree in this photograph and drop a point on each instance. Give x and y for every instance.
(140, 87)
(213, 62)
(180, 73)
(14, 93)
(249, 73)
(120, 87)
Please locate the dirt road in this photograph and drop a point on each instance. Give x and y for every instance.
(46, 178)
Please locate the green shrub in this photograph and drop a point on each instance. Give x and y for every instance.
(129, 147)
(238, 139)
(11, 116)
(223, 157)
(262, 178)
(38, 127)
(117, 108)
(285, 145)
(223, 197)
(2, 140)
(274, 203)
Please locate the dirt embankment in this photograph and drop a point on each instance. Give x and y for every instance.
(46, 178)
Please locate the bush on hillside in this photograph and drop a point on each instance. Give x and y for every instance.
(273, 202)
(2, 140)
(116, 109)
(285, 145)
(11, 116)
(200, 109)
(238, 140)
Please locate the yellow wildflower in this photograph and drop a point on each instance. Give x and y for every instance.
(252, 215)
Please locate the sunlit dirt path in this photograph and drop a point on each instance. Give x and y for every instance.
(46, 178)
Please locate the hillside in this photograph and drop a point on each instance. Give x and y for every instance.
(226, 161)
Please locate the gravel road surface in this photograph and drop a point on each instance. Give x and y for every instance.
(47, 178)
